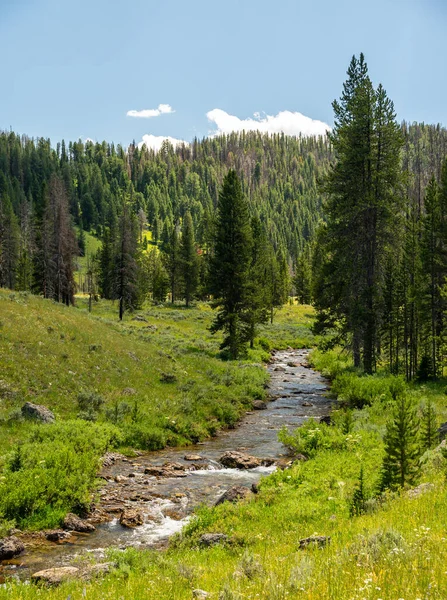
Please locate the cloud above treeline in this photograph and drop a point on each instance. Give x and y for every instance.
(154, 142)
(286, 121)
(148, 113)
(290, 123)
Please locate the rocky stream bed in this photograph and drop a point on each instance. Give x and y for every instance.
(146, 500)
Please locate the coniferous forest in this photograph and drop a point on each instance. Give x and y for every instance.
(156, 214)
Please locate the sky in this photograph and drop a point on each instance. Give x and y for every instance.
(144, 70)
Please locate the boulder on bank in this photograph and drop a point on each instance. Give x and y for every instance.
(37, 412)
(237, 492)
(131, 518)
(56, 575)
(74, 523)
(259, 405)
(10, 547)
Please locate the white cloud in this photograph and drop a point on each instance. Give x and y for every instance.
(155, 141)
(290, 123)
(163, 109)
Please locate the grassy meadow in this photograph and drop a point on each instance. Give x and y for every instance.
(396, 550)
(154, 380)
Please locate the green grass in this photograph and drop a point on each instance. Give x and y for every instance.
(398, 549)
(159, 381)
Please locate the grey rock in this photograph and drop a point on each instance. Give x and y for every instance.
(423, 488)
(318, 541)
(56, 575)
(234, 493)
(200, 594)
(212, 539)
(38, 413)
(442, 431)
(238, 460)
(58, 535)
(10, 547)
(129, 391)
(259, 405)
(193, 457)
(74, 523)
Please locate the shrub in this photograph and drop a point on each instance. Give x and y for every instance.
(313, 437)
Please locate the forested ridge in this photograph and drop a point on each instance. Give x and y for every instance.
(120, 194)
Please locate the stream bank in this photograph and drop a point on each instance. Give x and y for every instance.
(165, 487)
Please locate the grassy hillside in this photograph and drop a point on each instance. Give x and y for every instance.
(396, 550)
(143, 383)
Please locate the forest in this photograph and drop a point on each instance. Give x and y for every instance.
(155, 214)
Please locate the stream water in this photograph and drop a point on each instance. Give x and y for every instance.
(296, 392)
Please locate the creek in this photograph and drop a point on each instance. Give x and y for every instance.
(296, 392)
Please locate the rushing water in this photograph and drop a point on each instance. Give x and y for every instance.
(297, 393)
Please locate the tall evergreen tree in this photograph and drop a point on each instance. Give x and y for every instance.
(171, 256)
(9, 243)
(258, 281)
(229, 268)
(188, 259)
(363, 194)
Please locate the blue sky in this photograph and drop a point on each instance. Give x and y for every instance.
(73, 69)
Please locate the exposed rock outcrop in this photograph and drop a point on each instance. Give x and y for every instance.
(37, 412)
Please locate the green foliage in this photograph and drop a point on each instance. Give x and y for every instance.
(53, 472)
(357, 504)
(229, 270)
(429, 427)
(401, 461)
(357, 392)
(313, 437)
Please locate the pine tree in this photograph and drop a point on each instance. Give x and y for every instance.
(126, 273)
(258, 281)
(171, 257)
(303, 275)
(358, 500)
(229, 268)
(279, 281)
(188, 259)
(429, 427)
(9, 243)
(362, 210)
(401, 461)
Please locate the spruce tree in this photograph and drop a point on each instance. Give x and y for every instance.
(188, 259)
(171, 257)
(362, 208)
(358, 501)
(9, 243)
(429, 427)
(230, 264)
(401, 461)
